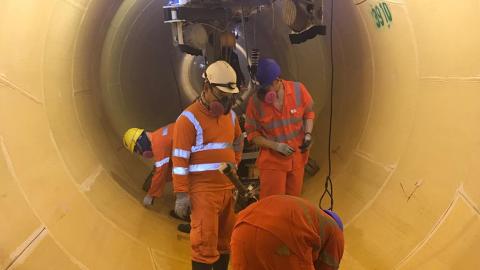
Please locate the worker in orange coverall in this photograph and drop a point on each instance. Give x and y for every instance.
(279, 119)
(157, 145)
(283, 232)
(207, 133)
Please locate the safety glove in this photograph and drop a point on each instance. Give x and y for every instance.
(148, 200)
(284, 149)
(182, 205)
(307, 140)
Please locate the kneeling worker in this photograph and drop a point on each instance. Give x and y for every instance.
(285, 232)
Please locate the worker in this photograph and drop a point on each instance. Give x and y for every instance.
(284, 232)
(157, 145)
(207, 133)
(279, 119)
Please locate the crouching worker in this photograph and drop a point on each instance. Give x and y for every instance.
(286, 232)
(156, 145)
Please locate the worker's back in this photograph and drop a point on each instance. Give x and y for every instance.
(162, 144)
(307, 231)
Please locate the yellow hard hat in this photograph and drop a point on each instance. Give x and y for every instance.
(130, 138)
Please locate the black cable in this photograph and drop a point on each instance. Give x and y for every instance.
(180, 101)
(328, 189)
(245, 38)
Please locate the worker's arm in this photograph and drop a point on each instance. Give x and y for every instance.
(253, 127)
(264, 142)
(158, 181)
(309, 114)
(331, 253)
(282, 148)
(238, 142)
(319, 265)
(183, 139)
(308, 117)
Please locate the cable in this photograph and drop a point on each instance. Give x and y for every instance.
(273, 16)
(254, 18)
(180, 100)
(245, 38)
(328, 189)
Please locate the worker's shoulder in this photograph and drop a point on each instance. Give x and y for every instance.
(293, 84)
(286, 200)
(158, 132)
(169, 126)
(192, 109)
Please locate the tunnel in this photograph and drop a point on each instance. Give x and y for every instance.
(403, 89)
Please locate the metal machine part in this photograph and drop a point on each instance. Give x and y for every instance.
(304, 18)
(244, 195)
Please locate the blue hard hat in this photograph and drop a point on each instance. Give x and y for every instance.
(268, 71)
(335, 217)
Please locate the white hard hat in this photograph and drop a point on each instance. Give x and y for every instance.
(221, 75)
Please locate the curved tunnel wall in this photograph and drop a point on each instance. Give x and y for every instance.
(73, 76)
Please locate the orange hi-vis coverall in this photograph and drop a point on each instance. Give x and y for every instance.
(201, 143)
(161, 140)
(284, 232)
(280, 174)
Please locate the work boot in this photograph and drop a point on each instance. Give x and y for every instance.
(185, 228)
(201, 266)
(222, 262)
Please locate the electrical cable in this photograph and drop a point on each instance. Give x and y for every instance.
(245, 35)
(180, 100)
(273, 16)
(328, 188)
(254, 18)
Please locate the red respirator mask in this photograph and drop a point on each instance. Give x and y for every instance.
(270, 97)
(222, 105)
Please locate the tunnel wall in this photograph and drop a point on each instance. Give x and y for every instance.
(405, 141)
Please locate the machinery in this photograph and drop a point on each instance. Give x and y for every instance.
(197, 24)
(244, 195)
(305, 18)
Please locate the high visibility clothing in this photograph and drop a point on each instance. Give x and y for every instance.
(286, 232)
(284, 126)
(201, 143)
(213, 219)
(161, 140)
